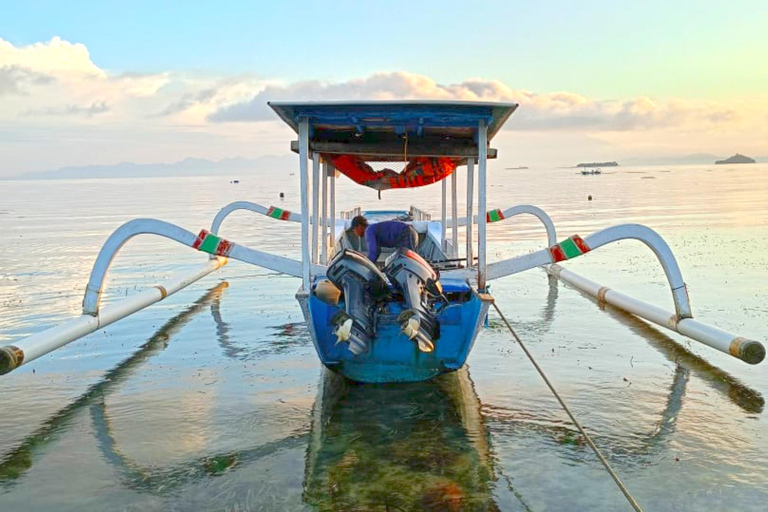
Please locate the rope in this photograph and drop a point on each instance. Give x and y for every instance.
(592, 445)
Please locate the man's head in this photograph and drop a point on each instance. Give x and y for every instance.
(359, 224)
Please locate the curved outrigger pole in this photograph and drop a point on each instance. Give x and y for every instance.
(680, 321)
(95, 317)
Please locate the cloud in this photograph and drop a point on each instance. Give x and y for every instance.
(58, 78)
(71, 110)
(187, 101)
(59, 108)
(15, 79)
(539, 111)
(56, 57)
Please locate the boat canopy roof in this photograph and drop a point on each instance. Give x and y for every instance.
(388, 130)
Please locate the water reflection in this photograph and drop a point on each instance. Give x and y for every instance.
(165, 480)
(411, 446)
(19, 461)
(282, 339)
(547, 313)
(639, 448)
(746, 398)
(387, 447)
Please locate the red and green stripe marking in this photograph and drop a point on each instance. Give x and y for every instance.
(278, 213)
(494, 215)
(568, 248)
(212, 244)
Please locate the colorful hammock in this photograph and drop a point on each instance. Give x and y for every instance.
(418, 172)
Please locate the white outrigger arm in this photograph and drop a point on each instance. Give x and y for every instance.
(95, 317)
(680, 321)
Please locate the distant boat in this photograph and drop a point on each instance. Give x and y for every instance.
(591, 171)
(235, 181)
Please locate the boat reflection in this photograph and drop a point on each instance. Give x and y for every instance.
(687, 362)
(415, 446)
(547, 313)
(282, 339)
(16, 463)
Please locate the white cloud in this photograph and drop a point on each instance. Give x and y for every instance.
(55, 58)
(57, 108)
(539, 111)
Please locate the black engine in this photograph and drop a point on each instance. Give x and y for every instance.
(417, 281)
(364, 286)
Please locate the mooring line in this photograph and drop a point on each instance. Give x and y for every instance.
(591, 444)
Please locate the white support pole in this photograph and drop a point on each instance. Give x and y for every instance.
(37, 345)
(315, 205)
(482, 151)
(454, 216)
(324, 238)
(304, 185)
(332, 172)
(444, 218)
(470, 213)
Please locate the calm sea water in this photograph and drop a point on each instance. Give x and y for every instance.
(214, 399)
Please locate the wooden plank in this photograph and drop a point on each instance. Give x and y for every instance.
(389, 151)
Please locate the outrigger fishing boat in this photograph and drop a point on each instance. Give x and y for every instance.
(412, 314)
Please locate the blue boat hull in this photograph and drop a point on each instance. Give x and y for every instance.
(392, 357)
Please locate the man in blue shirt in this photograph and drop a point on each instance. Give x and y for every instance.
(390, 233)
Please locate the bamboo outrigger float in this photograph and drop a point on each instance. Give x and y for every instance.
(420, 314)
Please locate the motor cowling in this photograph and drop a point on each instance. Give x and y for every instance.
(417, 281)
(364, 286)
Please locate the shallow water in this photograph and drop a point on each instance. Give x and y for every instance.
(215, 400)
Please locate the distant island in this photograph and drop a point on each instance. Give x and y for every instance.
(736, 159)
(515, 168)
(599, 164)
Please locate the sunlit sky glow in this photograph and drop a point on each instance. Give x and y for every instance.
(103, 82)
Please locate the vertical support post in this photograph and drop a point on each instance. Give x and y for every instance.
(315, 204)
(332, 174)
(454, 215)
(444, 217)
(324, 252)
(304, 185)
(482, 157)
(470, 206)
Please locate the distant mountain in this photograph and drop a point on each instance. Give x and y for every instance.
(599, 164)
(737, 159)
(186, 167)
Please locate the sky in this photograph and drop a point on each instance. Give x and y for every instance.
(105, 82)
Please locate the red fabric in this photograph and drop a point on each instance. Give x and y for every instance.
(420, 171)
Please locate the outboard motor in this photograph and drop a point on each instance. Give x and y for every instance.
(363, 285)
(417, 281)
